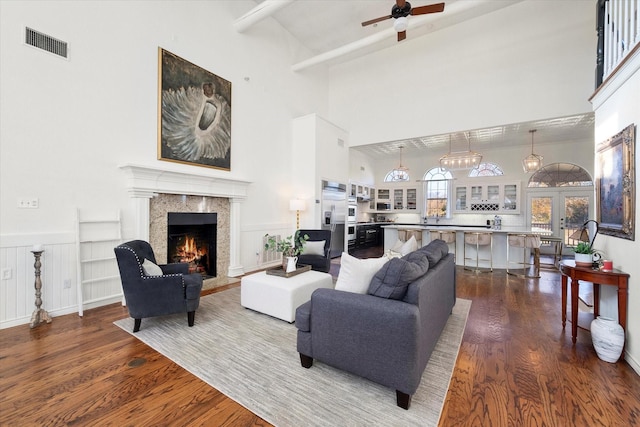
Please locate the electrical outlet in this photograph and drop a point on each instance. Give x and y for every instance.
(66, 284)
(28, 203)
(6, 273)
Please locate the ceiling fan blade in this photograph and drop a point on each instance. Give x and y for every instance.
(373, 21)
(402, 35)
(401, 3)
(432, 8)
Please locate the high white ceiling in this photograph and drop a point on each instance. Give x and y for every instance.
(332, 31)
(578, 127)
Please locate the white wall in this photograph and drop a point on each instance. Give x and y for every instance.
(532, 60)
(68, 124)
(616, 106)
(320, 152)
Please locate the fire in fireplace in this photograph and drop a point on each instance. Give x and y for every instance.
(191, 238)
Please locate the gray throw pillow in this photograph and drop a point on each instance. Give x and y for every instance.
(435, 250)
(392, 280)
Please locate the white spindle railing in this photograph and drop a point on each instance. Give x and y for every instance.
(621, 31)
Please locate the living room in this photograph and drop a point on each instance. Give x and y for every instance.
(96, 112)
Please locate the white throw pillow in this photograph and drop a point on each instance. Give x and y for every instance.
(356, 274)
(150, 269)
(391, 254)
(397, 246)
(313, 248)
(409, 246)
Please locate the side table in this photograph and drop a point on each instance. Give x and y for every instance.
(615, 277)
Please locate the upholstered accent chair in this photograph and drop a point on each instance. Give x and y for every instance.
(156, 290)
(315, 254)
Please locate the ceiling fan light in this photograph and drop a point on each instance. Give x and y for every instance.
(401, 24)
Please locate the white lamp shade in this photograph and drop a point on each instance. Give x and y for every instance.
(401, 24)
(296, 205)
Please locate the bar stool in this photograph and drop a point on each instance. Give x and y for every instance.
(557, 251)
(448, 237)
(525, 241)
(478, 239)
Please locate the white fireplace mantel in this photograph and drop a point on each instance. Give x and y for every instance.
(145, 182)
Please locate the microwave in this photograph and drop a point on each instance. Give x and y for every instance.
(383, 206)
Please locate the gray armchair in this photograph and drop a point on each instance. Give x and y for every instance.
(174, 291)
(318, 262)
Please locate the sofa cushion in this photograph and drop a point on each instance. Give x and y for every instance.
(151, 269)
(420, 258)
(435, 250)
(395, 276)
(409, 246)
(313, 248)
(355, 274)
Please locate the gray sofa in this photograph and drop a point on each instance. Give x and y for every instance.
(387, 335)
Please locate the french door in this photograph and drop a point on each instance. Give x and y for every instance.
(559, 211)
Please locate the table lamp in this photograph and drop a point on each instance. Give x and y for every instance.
(583, 233)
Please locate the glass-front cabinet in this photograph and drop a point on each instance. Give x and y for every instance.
(398, 199)
(487, 197)
(402, 198)
(383, 195)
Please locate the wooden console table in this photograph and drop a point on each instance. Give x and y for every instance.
(615, 277)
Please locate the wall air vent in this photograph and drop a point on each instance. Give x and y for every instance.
(45, 42)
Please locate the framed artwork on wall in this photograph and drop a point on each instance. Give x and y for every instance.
(615, 184)
(194, 114)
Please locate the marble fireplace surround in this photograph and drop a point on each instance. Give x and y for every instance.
(145, 183)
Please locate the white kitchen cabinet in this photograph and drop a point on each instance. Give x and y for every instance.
(403, 198)
(487, 197)
(364, 193)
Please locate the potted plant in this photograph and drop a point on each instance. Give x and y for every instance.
(584, 254)
(290, 247)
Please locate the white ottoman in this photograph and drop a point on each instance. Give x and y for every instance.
(280, 296)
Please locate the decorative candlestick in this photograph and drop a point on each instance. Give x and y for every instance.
(39, 315)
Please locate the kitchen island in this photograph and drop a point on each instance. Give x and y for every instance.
(499, 239)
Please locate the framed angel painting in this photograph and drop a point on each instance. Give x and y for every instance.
(194, 114)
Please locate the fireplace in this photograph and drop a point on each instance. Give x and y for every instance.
(191, 238)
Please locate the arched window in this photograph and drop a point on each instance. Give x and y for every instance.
(437, 193)
(397, 175)
(560, 175)
(486, 169)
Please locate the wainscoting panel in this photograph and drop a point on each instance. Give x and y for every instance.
(58, 274)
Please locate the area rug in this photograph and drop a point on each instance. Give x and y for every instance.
(252, 358)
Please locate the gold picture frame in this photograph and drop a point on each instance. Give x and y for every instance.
(615, 185)
(194, 114)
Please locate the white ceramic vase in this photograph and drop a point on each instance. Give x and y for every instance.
(608, 338)
(584, 260)
(291, 263)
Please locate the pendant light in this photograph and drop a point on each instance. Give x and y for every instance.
(532, 162)
(460, 160)
(401, 173)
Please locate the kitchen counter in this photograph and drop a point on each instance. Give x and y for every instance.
(499, 238)
(460, 227)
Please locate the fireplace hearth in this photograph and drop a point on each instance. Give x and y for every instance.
(191, 238)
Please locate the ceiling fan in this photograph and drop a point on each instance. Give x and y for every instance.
(400, 11)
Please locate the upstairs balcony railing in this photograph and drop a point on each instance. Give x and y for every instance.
(618, 27)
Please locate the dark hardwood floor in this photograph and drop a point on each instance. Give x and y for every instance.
(516, 367)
